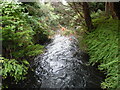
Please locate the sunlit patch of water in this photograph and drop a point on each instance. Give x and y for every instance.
(62, 67)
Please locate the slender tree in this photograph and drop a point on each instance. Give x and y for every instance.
(112, 8)
(87, 16)
(109, 9)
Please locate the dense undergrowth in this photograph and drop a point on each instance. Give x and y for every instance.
(25, 28)
(103, 48)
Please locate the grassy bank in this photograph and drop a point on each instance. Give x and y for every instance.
(102, 46)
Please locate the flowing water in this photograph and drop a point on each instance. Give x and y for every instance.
(63, 65)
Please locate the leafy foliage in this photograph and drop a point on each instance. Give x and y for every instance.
(16, 32)
(16, 37)
(103, 48)
(12, 67)
(42, 18)
(27, 25)
(67, 16)
(95, 6)
(24, 28)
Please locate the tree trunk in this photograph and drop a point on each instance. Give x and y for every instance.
(112, 12)
(107, 10)
(117, 9)
(87, 16)
(110, 9)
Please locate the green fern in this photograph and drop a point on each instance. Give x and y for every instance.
(103, 48)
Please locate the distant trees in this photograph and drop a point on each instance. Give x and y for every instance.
(110, 8)
(83, 7)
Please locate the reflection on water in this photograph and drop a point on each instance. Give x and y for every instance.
(63, 66)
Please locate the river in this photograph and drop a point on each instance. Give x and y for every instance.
(63, 65)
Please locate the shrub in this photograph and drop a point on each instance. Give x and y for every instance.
(18, 39)
(13, 68)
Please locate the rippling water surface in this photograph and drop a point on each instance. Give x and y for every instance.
(63, 65)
